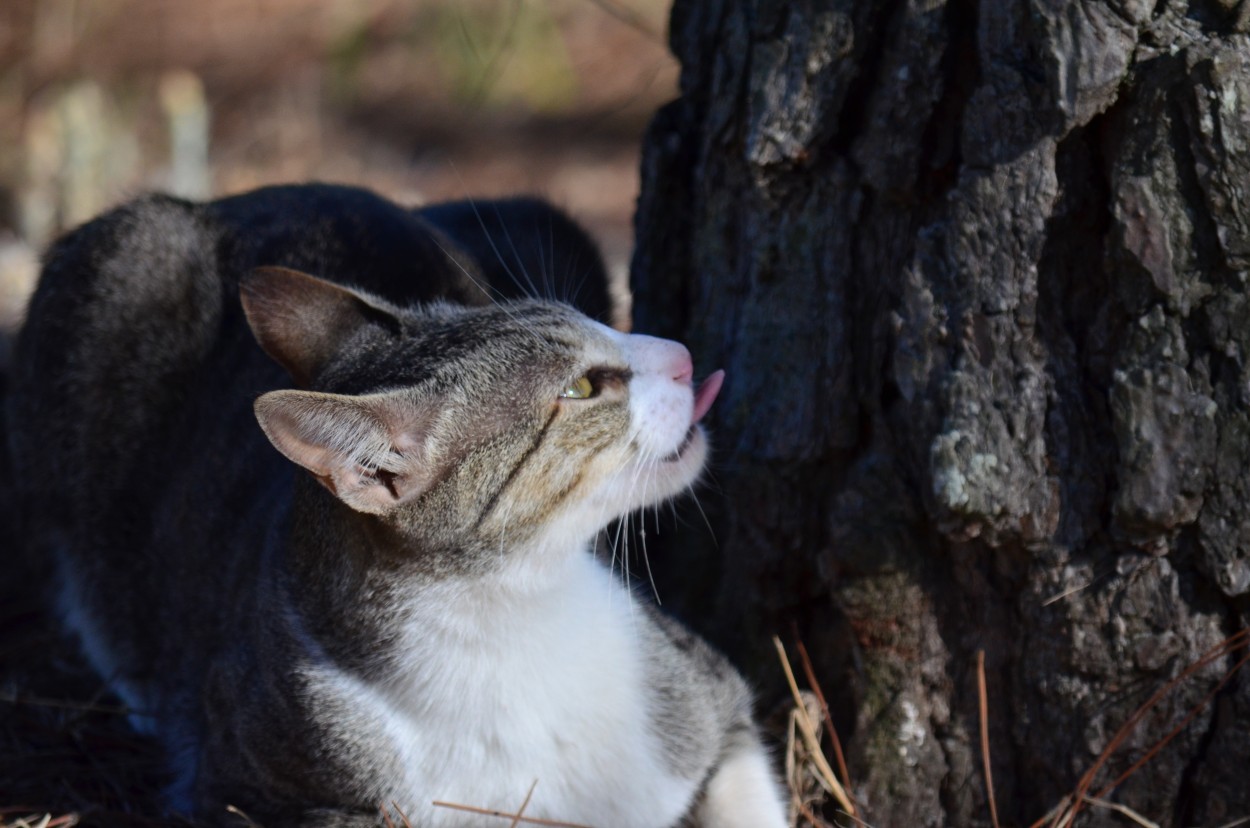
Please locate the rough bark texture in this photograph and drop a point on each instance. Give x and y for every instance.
(978, 274)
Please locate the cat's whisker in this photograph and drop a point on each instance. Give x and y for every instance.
(520, 261)
(655, 514)
(486, 290)
(629, 532)
(694, 496)
(577, 286)
(499, 254)
(623, 526)
(545, 271)
(655, 511)
(640, 472)
(646, 560)
(618, 547)
(563, 286)
(572, 288)
(710, 481)
(641, 476)
(491, 241)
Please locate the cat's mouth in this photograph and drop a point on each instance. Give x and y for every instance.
(685, 444)
(704, 396)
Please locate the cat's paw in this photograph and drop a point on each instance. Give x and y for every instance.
(742, 793)
(328, 818)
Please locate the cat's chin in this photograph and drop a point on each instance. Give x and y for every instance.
(677, 471)
(686, 442)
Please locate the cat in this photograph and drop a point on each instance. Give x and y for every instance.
(399, 604)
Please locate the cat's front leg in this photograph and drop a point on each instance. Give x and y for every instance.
(743, 791)
(330, 818)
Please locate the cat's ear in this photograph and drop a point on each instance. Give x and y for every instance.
(372, 452)
(302, 321)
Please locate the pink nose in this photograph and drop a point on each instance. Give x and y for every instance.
(661, 358)
(682, 369)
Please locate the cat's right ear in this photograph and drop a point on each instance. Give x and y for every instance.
(302, 321)
(371, 452)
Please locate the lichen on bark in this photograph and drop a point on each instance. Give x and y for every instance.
(978, 272)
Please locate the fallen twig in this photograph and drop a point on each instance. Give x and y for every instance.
(40, 820)
(1189, 717)
(524, 804)
(810, 673)
(504, 815)
(809, 735)
(1122, 809)
(806, 813)
(983, 704)
(401, 813)
(1064, 816)
(247, 819)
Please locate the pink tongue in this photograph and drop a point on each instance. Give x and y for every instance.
(706, 393)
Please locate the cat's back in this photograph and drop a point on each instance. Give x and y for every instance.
(140, 471)
(135, 342)
(126, 307)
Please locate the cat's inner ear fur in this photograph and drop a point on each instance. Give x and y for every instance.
(371, 452)
(302, 321)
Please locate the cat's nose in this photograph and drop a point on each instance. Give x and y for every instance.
(661, 358)
(682, 368)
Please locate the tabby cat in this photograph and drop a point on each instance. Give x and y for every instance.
(399, 604)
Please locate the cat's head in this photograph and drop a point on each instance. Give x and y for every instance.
(521, 423)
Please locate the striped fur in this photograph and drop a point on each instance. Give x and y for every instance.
(399, 604)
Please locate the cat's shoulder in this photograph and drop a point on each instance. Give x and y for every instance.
(118, 298)
(140, 244)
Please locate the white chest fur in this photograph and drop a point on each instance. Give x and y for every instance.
(501, 688)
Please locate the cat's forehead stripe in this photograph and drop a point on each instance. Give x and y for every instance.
(517, 467)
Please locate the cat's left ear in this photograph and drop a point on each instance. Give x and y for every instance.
(302, 321)
(372, 452)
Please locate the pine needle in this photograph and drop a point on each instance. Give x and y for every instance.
(524, 804)
(983, 703)
(1066, 813)
(809, 735)
(810, 673)
(1122, 809)
(550, 823)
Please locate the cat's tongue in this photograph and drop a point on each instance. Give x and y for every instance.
(706, 393)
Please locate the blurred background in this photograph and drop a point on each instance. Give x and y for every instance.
(421, 100)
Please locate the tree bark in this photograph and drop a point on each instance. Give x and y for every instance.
(978, 275)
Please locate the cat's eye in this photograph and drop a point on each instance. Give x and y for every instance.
(580, 389)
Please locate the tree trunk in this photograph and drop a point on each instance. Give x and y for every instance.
(978, 274)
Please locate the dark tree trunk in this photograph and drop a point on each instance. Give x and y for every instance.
(978, 274)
